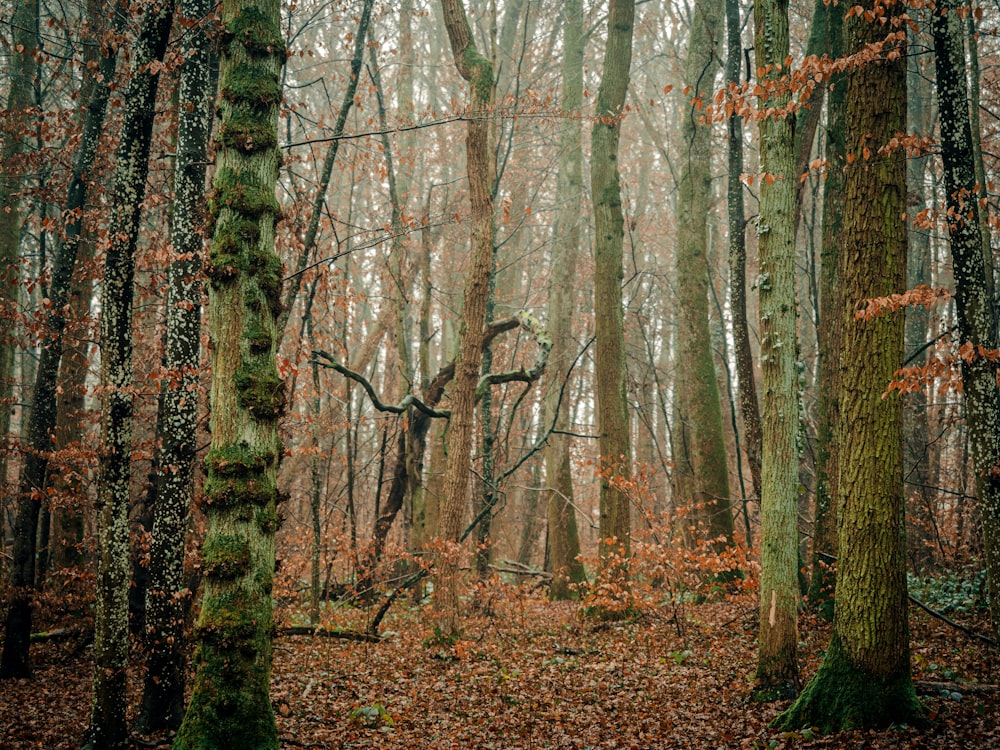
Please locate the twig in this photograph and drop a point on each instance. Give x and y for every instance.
(349, 635)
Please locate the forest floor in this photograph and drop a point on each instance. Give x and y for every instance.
(533, 674)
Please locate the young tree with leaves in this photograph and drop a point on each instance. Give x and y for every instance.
(230, 704)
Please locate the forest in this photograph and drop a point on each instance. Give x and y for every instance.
(499, 374)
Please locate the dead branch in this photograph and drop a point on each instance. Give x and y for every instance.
(350, 635)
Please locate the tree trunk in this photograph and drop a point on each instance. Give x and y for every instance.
(167, 600)
(108, 728)
(777, 667)
(864, 680)
(738, 259)
(831, 323)
(230, 704)
(702, 470)
(20, 96)
(609, 233)
(478, 71)
(563, 535)
(973, 302)
(42, 410)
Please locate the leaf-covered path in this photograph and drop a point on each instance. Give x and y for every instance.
(531, 674)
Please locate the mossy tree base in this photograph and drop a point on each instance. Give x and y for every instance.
(844, 696)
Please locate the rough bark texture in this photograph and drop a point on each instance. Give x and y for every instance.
(777, 667)
(167, 599)
(108, 729)
(563, 535)
(831, 325)
(976, 313)
(230, 704)
(478, 71)
(42, 410)
(609, 233)
(702, 470)
(864, 680)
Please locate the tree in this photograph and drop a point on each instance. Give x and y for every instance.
(230, 705)
(42, 409)
(478, 72)
(973, 300)
(701, 467)
(563, 537)
(609, 235)
(831, 323)
(20, 96)
(167, 599)
(864, 680)
(777, 666)
(108, 728)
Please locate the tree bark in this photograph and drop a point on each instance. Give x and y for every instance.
(108, 729)
(777, 666)
(563, 535)
(701, 466)
(478, 71)
(831, 324)
(167, 599)
(609, 233)
(973, 301)
(230, 704)
(864, 680)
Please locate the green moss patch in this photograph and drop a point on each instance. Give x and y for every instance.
(259, 35)
(226, 556)
(251, 85)
(260, 389)
(248, 133)
(237, 460)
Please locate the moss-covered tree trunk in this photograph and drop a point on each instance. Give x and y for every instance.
(973, 302)
(609, 233)
(563, 535)
(42, 409)
(777, 666)
(230, 704)
(108, 729)
(864, 680)
(478, 71)
(831, 323)
(166, 597)
(701, 467)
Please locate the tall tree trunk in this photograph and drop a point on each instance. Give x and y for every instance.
(230, 704)
(167, 600)
(864, 680)
(702, 470)
(777, 666)
(831, 324)
(563, 536)
(973, 302)
(478, 71)
(20, 96)
(108, 728)
(738, 258)
(42, 410)
(609, 234)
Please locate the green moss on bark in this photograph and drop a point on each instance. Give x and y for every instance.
(241, 192)
(259, 34)
(844, 696)
(248, 133)
(260, 389)
(227, 492)
(250, 85)
(237, 460)
(226, 556)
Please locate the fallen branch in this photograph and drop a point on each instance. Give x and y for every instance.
(350, 635)
(62, 634)
(969, 688)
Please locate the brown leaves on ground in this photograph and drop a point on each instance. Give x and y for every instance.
(532, 674)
